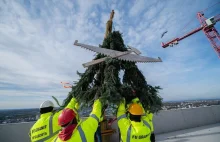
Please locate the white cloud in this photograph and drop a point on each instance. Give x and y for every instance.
(32, 99)
(37, 52)
(139, 6)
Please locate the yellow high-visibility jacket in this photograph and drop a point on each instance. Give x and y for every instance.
(132, 131)
(85, 130)
(46, 128)
(147, 116)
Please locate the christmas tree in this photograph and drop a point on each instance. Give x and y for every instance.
(103, 80)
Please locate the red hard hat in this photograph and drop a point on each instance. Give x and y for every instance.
(66, 116)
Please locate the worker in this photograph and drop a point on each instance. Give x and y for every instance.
(46, 128)
(147, 116)
(78, 131)
(132, 127)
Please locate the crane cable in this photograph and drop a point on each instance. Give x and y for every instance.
(201, 11)
(210, 6)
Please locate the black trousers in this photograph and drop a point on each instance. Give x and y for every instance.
(98, 134)
(152, 137)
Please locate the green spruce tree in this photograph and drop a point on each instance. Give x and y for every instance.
(103, 79)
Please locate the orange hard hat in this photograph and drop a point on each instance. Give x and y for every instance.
(135, 109)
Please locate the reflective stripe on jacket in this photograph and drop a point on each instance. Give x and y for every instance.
(46, 128)
(149, 118)
(132, 131)
(85, 130)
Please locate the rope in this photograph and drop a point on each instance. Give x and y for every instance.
(194, 17)
(188, 23)
(113, 26)
(210, 6)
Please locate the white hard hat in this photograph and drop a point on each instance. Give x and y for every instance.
(46, 104)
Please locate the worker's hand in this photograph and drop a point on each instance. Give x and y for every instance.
(136, 100)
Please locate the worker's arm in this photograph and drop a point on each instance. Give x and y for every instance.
(91, 123)
(123, 122)
(150, 116)
(74, 105)
(71, 105)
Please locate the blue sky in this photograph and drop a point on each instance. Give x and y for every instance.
(37, 51)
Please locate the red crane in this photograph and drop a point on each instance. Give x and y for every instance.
(207, 26)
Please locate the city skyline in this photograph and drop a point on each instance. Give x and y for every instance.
(31, 114)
